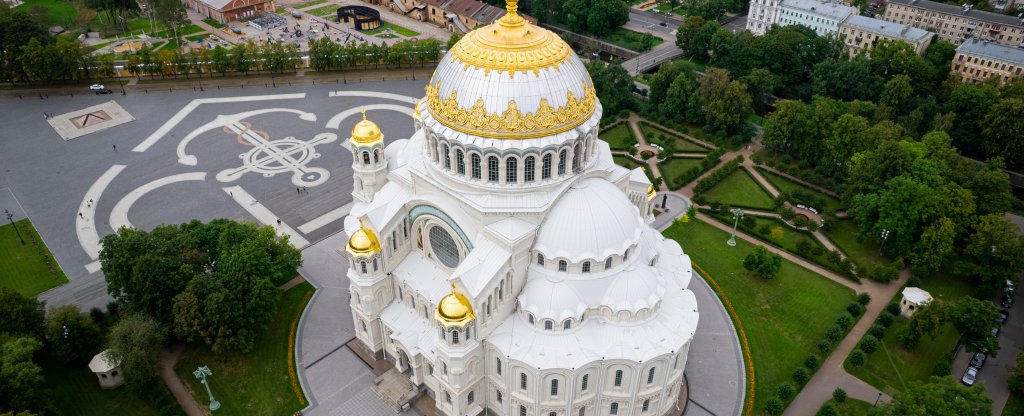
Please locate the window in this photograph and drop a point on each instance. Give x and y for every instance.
(447, 156)
(375, 264)
(608, 263)
(615, 408)
(554, 387)
(469, 398)
(561, 161)
(511, 174)
(552, 414)
(444, 368)
(650, 375)
(567, 324)
(548, 325)
(583, 385)
(529, 317)
(455, 337)
(364, 325)
(577, 154)
(522, 381)
(499, 396)
(583, 411)
(562, 265)
(474, 164)
(362, 266)
(460, 162)
(540, 259)
(618, 378)
(366, 158)
(447, 397)
(492, 169)
(529, 165)
(647, 404)
(443, 246)
(522, 410)
(545, 169)
(497, 364)
(586, 267)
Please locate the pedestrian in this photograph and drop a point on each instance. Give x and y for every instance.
(298, 190)
(80, 215)
(45, 117)
(303, 189)
(115, 147)
(278, 221)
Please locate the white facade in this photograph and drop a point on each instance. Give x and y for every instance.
(824, 17)
(521, 276)
(762, 16)
(913, 299)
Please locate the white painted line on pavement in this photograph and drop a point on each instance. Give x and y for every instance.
(335, 121)
(374, 94)
(223, 120)
(119, 215)
(159, 133)
(93, 267)
(85, 227)
(329, 217)
(263, 215)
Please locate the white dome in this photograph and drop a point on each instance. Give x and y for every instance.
(634, 289)
(546, 299)
(592, 220)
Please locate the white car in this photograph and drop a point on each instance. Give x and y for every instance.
(97, 87)
(970, 376)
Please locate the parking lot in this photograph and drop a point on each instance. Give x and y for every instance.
(997, 368)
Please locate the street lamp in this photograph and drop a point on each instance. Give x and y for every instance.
(885, 236)
(10, 217)
(202, 373)
(736, 215)
(877, 399)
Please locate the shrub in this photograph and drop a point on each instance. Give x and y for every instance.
(624, 114)
(764, 229)
(877, 331)
(834, 333)
(785, 392)
(869, 344)
(864, 299)
(803, 248)
(828, 409)
(113, 308)
(844, 321)
(886, 319)
(884, 273)
(854, 309)
(839, 395)
(914, 281)
(824, 346)
(812, 362)
(96, 314)
(942, 369)
(856, 358)
(801, 376)
(773, 406)
(717, 176)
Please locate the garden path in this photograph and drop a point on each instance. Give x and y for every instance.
(652, 161)
(168, 358)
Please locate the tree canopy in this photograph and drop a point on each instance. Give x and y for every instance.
(940, 396)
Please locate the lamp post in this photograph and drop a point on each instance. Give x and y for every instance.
(877, 399)
(10, 217)
(885, 236)
(736, 215)
(202, 373)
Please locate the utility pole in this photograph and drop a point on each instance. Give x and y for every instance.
(10, 217)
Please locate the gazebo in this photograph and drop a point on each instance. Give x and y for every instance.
(107, 370)
(913, 299)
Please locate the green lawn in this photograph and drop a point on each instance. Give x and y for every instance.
(324, 11)
(739, 189)
(1014, 405)
(185, 31)
(257, 383)
(59, 12)
(213, 23)
(24, 267)
(783, 318)
(619, 137)
(790, 237)
(832, 204)
(654, 134)
(852, 407)
(396, 28)
(674, 168)
(892, 368)
(629, 39)
(74, 390)
(310, 4)
(864, 254)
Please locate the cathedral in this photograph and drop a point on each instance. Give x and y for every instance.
(500, 259)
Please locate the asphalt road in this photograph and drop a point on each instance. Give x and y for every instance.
(997, 369)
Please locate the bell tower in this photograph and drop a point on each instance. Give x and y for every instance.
(458, 353)
(369, 166)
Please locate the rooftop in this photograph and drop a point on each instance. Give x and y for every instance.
(992, 50)
(837, 11)
(889, 29)
(959, 11)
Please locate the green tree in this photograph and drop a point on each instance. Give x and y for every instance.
(452, 40)
(890, 58)
(935, 246)
(996, 249)
(614, 86)
(969, 316)
(761, 84)
(22, 386)
(846, 79)
(135, 342)
(72, 335)
(926, 320)
(18, 28)
(226, 311)
(694, 37)
(221, 60)
(940, 396)
(22, 315)
(598, 17)
(896, 92)
(849, 136)
(1003, 131)
(727, 103)
(786, 126)
(763, 262)
(988, 182)
(1016, 379)
(970, 103)
(681, 102)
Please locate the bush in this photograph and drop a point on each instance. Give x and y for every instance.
(113, 308)
(828, 409)
(869, 344)
(877, 331)
(884, 273)
(854, 309)
(864, 299)
(834, 333)
(886, 319)
(812, 362)
(785, 392)
(773, 406)
(914, 281)
(97, 315)
(624, 113)
(856, 358)
(942, 369)
(844, 321)
(824, 346)
(801, 376)
(839, 395)
(893, 308)
(717, 176)
(764, 229)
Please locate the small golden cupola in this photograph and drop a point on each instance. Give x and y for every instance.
(366, 132)
(454, 309)
(651, 192)
(363, 242)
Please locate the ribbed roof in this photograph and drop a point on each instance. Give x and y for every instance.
(593, 219)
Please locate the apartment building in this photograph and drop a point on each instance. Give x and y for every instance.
(225, 11)
(823, 17)
(861, 33)
(762, 15)
(956, 23)
(977, 60)
(458, 16)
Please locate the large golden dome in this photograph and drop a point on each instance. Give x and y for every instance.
(454, 309)
(511, 80)
(366, 132)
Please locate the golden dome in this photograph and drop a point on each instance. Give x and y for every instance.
(651, 192)
(366, 132)
(511, 44)
(454, 309)
(363, 242)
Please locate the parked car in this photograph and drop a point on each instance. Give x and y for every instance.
(1004, 315)
(1007, 300)
(995, 331)
(103, 91)
(97, 87)
(970, 376)
(978, 360)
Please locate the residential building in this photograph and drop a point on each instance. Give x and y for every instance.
(956, 23)
(823, 17)
(458, 16)
(861, 33)
(977, 60)
(500, 258)
(227, 10)
(761, 16)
